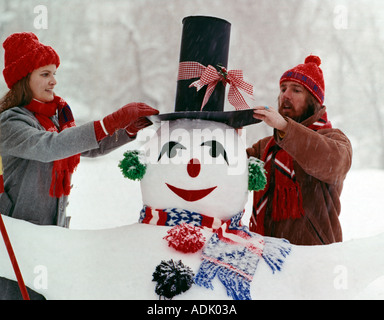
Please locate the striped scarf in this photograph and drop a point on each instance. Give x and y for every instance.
(281, 197)
(63, 168)
(233, 252)
(174, 217)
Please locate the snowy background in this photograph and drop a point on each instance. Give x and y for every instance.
(117, 51)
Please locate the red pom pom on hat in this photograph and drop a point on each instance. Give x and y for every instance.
(313, 59)
(23, 54)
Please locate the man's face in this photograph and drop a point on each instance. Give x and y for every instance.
(293, 100)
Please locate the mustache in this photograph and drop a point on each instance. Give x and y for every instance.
(286, 103)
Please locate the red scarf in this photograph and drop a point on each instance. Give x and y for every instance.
(282, 195)
(64, 168)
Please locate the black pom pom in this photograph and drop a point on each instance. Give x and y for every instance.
(172, 278)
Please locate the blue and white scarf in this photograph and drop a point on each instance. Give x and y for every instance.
(232, 253)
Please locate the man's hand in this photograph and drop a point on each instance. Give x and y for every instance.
(271, 117)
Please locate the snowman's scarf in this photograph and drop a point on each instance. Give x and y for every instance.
(174, 217)
(232, 253)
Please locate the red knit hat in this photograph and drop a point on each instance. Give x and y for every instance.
(309, 75)
(23, 54)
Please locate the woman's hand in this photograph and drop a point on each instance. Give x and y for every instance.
(131, 115)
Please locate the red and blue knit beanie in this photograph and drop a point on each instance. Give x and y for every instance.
(23, 54)
(309, 75)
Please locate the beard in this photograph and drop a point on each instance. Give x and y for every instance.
(287, 109)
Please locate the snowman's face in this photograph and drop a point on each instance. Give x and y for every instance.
(196, 165)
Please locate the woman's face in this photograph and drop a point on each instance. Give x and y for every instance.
(42, 82)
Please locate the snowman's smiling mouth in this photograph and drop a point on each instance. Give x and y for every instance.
(191, 195)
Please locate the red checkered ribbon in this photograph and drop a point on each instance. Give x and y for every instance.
(210, 76)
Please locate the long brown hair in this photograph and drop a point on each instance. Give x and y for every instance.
(19, 95)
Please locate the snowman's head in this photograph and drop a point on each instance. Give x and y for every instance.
(196, 165)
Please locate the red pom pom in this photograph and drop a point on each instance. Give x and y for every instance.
(313, 59)
(185, 238)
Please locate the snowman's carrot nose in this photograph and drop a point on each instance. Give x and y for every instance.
(194, 167)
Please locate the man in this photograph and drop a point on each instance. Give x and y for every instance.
(306, 162)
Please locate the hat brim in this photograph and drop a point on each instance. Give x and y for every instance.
(235, 119)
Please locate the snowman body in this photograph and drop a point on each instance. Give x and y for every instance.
(118, 263)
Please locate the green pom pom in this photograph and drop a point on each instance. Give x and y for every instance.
(133, 165)
(257, 179)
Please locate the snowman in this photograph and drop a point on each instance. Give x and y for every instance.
(190, 242)
(196, 172)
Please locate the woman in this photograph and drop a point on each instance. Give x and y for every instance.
(39, 142)
(40, 145)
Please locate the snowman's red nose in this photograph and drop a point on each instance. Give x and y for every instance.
(194, 167)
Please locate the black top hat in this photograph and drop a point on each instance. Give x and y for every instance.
(205, 40)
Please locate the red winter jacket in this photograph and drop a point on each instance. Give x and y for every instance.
(321, 161)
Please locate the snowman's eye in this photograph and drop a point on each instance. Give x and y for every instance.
(216, 149)
(170, 148)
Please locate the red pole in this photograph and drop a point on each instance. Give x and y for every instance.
(12, 256)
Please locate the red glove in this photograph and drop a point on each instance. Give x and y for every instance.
(136, 126)
(131, 115)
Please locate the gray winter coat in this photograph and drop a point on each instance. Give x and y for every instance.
(28, 152)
